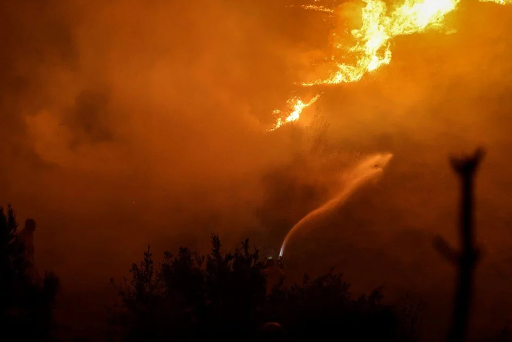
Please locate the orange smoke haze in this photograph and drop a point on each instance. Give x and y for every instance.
(126, 123)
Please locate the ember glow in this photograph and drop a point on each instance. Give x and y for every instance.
(370, 46)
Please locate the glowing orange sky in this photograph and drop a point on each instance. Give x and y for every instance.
(127, 123)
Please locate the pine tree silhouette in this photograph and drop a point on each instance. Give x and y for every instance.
(223, 296)
(26, 305)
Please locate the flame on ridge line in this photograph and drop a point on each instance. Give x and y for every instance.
(371, 47)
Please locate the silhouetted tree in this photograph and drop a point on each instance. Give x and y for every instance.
(224, 296)
(191, 297)
(322, 308)
(26, 304)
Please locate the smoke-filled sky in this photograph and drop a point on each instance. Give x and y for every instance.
(135, 117)
(126, 123)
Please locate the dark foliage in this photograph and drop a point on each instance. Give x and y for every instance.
(323, 308)
(224, 296)
(191, 297)
(26, 304)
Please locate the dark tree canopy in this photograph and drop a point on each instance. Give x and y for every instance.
(26, 304)
(224, 296)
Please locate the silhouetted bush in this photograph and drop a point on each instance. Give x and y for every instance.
(223, 296)
(323, 308)
(26, 304)
(191, 297)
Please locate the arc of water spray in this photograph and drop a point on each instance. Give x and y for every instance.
(367, 170)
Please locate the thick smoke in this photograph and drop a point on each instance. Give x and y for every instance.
(125, 123)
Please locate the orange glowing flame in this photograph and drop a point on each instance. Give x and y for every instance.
(371, 43)
(499, 2)
(318, 8)
(371, 47)
(296, 106)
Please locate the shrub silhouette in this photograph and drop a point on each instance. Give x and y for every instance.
(26, 304)
(224, 296)
(191, 297)
(323, 308)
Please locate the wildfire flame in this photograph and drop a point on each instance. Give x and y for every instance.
(372, 41)
(371, 47)
(499, 2)
(318, 8)
(296, 106)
